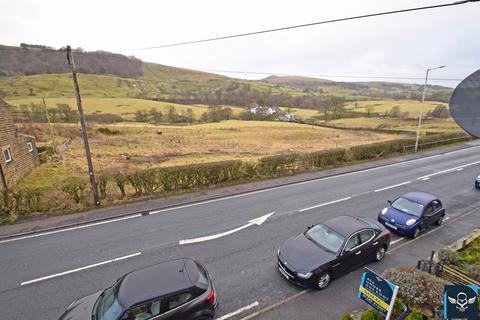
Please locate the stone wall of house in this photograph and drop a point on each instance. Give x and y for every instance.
(23, 160)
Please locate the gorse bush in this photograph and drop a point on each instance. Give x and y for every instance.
(371, 314)
(417, 287)
(347, 316)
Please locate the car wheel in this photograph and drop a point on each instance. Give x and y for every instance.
(439, 221)
(323, 280)
(415, 233)
(380, 254)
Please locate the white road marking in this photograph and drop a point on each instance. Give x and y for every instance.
(237, 196)
(398, 240)
(394, 186)
(234, 313)
(325, 204)
(257, 221)
(304, 182)
(276, 304)
(425, 179)
(459, 169)
(449, 170)
(70, 228)
(80, 269)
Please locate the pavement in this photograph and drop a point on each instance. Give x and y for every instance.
(236, 236)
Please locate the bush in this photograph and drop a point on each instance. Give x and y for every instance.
(447, 256)
(108, 131)
(325, 158)
(417, 287)
(104, 118)
(74, 187)
(414, 315)
(347, 316)
(102, 183)
(280, 164)
(371, 314)
(121, 180)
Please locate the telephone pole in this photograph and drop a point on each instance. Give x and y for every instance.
(49, 125)
(91, 173)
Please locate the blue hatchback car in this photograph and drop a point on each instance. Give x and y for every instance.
(477, 182)
(411, 213)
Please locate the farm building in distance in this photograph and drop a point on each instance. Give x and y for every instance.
(19, 153)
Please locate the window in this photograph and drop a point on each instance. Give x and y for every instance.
(178, 300)
(429, 209)
(144, 311)
(366, 235)
(352, 242)
(29, 146)
(436, 205)
(7, 153)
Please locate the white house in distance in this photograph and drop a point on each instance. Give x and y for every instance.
(255, 108)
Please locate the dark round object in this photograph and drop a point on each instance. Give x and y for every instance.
(465, 104)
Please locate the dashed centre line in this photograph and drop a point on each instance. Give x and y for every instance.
(394, 186)
(80, 269)
(325, 204)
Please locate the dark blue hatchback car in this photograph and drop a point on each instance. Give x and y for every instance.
(477, 182)
(411, 213)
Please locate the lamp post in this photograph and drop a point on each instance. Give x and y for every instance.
(421, 106)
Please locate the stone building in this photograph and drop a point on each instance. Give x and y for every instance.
(19, 153)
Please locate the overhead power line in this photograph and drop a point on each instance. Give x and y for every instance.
(326, 75)
(300, 26)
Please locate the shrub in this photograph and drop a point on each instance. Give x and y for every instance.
(347, 316)
(102, 182)
(371, 314)
(414, 315)
(325, 158)
(108, 131)
(279, 164)
(447, 256)
(121, 180)
(473, 270)
(104, 118)
(74, 187)
(417, 287)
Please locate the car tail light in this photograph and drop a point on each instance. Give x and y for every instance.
(389, 233)
(211, 297)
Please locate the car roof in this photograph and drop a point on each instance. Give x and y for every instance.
(420, 197)
(157, 280)
(346, 225)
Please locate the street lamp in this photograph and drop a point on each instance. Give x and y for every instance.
(421, 106)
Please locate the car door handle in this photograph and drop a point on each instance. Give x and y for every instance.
(358, 253)
(375, 243)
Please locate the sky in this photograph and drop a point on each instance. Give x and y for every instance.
(401, 45)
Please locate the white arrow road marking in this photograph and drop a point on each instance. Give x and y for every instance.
(394, 186)
(325, 204)
(234, 313)
(449, 170)
(80, 269)
(258, 221)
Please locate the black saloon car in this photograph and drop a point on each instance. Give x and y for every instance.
(328, 250)
(177, 289)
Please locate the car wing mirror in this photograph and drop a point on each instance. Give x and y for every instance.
(389, 201)
(310, 227)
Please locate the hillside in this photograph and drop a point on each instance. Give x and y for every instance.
(39, 71)
(387, 90)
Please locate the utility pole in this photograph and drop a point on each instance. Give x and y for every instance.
(421, 106)
(49, 125)
(91, 173)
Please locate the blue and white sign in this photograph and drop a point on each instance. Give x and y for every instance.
(460, 302)
(378, 292)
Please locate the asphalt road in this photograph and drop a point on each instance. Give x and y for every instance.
(44, 273)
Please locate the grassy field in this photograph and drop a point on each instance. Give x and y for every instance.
(144, 146)
(383, 106)
(437, 125)
(126, 107)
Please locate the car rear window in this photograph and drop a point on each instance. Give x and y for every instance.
(202, 277)
(371, 223)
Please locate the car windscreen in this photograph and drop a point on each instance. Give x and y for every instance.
(325, 237)
(408, 206)
(108, 306)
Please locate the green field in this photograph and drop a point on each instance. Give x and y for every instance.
(436, 125)
(125, 107)
(383, 106)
